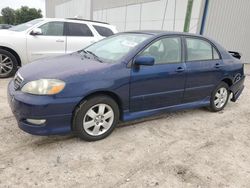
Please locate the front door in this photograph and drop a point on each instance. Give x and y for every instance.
(162, 84)
(51, 42)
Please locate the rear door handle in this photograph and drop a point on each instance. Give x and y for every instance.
(180, 69)
(217, 65)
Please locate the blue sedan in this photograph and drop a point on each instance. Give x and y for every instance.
(124, 77)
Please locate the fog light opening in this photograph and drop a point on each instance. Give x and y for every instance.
(36, 121)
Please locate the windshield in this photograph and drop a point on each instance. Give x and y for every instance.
(114, 48)
(24, 26)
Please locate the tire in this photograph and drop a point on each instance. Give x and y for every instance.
(219, 97)
(89, 121)
(8, 64)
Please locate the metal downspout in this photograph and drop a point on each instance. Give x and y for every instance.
(204, 16)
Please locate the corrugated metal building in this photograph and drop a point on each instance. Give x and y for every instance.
(227, 21)
(129, 14)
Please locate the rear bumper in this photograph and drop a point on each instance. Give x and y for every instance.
(56, 111)
(237, 89)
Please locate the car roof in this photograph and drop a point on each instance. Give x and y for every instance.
(162, 32)
(94, 21)
(77, 20)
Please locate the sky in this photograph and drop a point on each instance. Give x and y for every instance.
(15, 4)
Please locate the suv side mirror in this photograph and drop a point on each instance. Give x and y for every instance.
(145, 60)
(36, 31)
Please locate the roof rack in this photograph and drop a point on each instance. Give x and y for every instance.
(87, 20)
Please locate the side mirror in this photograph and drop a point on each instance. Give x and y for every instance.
(36, 31)
(145, 60)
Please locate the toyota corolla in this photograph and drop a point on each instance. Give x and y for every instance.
(124, 77)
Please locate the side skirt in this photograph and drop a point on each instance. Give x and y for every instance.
(128, 116)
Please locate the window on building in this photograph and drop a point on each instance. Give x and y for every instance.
(52, 29)
(166, 50)
(103, 31)
(78, 29)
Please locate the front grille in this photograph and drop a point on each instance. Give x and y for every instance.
(17, 81)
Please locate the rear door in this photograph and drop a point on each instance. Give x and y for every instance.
(204, 68)
(79, 35)
(51, 42)
(162, 84)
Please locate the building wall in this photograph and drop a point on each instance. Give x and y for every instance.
(51, 5)
(139, 14)
(129, 14)
(105, 4)
(69, 8)
(228, 22)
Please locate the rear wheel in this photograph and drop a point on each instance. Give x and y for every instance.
(219, 97)
(96, 118)
(8, 64)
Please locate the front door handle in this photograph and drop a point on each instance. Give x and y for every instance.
(180, 69)
(59, 40)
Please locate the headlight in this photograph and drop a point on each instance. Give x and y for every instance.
(44, 87)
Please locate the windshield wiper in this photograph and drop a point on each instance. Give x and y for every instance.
(83, 53)
(93, 54)
(80, 51)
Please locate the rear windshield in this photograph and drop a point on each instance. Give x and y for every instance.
(103, 31)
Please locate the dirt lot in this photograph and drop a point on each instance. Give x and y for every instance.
(192, 148)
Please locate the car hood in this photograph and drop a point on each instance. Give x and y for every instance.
(63, 67)
(6, 32)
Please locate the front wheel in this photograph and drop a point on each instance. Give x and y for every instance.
(95, 118)
(8, 64)
(219, 97)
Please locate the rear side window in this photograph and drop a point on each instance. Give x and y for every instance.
(103, 31)
(198, 50)
(215, 53)
(78, 29)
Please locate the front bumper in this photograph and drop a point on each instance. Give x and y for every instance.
(237, 89)
(56, 111)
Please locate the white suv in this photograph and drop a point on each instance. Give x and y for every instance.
(46, 37)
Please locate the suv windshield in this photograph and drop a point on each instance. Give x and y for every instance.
(24, 26)
(114, 48)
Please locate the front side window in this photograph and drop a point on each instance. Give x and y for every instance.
(77, 29)
(166, 50)
(114, 48)
(52, 29)
(103, 31)
(198, 50)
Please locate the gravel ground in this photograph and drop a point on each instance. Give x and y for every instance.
(191, 148)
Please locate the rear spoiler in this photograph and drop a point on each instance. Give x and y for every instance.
(235, 54)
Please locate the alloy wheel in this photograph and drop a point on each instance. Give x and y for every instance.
(98, 119)
(220, 97)
(6, 64)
